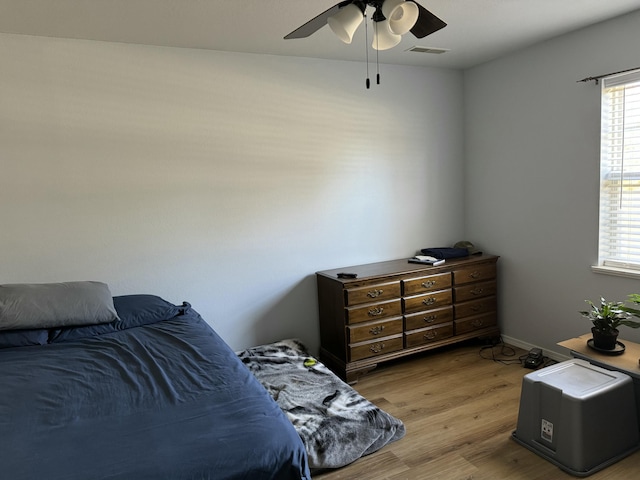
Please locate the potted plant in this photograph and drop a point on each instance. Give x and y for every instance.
(607, 317)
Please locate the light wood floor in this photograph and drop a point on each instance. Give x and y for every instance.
(459, 411)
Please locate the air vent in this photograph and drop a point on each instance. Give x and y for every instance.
(436, 51)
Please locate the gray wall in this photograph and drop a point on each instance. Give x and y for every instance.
(532, 170)
(226, 180)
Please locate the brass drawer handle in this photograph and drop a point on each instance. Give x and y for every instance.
(429, 301)
(374, 312)
(374, 293)
(428, 283)
(477, 291)
(430, 335)
(376, 348)
(477, 308)
(430, 318)
(477, 323)
(475, 275)
(376, 330)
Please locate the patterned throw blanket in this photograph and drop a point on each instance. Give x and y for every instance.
(337, 425)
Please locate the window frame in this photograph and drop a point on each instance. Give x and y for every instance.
(619, 182)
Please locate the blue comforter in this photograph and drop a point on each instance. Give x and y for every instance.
(161, 400)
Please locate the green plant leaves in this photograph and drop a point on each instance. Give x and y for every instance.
(609, 315)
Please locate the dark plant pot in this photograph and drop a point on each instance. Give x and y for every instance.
(604, 340)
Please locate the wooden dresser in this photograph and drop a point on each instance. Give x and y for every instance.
(396, 308)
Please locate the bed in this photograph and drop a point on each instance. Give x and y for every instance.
(137, 388)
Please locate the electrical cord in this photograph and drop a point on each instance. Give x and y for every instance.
(546, 361)
(506, 353)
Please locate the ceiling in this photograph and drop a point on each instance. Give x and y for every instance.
(477, 30)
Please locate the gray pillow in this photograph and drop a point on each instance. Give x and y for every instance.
(47, 305)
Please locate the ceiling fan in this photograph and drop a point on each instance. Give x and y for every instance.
(391, 19)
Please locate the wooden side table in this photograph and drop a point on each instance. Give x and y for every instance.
(628, 362)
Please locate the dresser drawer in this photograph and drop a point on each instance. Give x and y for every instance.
(371, 293)
(476, 307)
(374, 311)
(474, 274)
(469, 324)
(428, 318)
(428, 335)
(475, 290)
(374, 330)
(429, 283)
(373, 349)
(427, 301)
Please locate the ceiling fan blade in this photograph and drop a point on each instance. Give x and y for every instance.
(316, 23)
(427, 22)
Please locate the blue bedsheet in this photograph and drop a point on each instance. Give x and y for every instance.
(164, 400)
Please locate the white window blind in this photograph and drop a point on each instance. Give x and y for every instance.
(619, 244)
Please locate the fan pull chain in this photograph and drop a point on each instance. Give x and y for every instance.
(377, 66)
(375, 25)
(366, 47)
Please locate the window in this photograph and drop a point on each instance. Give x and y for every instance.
(619, 244)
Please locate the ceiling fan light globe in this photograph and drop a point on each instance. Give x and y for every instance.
(383, 37)
(345, 23)
(402, 15)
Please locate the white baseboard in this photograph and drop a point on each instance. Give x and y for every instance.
(558, 357)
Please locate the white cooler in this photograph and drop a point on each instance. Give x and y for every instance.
(578, 416)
